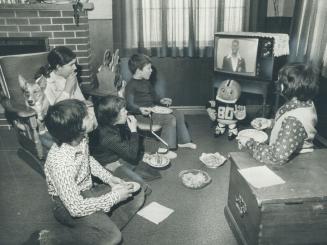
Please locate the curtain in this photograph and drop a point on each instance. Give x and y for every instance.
(175, 28)
(309, 34)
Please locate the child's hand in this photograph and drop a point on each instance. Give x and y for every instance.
(242, 141)
(125, 191)
(212, 114)
(261, 123)
(132, 123)
(145, 111)
(240, 112)
(115, 181)
(166, 101)
(71, 83)
(121, 91)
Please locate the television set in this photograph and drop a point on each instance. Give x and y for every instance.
(243, 56)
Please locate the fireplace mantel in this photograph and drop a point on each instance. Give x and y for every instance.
(45, 6)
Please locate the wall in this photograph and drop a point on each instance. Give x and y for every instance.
(186, 80)
(56, 22)
(100, 40)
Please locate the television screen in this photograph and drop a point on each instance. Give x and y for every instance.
(236, 55)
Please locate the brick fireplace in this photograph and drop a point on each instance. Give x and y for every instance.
(56, 23)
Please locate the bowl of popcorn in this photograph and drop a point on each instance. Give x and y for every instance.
(194, 178)
(156, 160)
(212, 160)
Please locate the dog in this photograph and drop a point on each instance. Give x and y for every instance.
(35, 98)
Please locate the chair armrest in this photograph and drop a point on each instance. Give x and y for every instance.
(20, 110)
(146, 126)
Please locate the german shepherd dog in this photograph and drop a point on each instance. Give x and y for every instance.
(35, 98)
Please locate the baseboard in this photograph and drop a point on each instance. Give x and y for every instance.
(251, 110)
(321, 140)
(191, 110)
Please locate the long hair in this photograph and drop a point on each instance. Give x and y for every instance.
(107, 109)
(138, 61)
(64, 120)
(299, 80)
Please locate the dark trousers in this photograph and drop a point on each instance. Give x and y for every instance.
(99, 227)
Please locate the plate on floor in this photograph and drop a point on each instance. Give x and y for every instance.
(257, 135)
(136, 186)
(212, 160)
(161, 110)
(156, 160)
(194, 178)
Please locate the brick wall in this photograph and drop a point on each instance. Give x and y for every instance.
(54, 21)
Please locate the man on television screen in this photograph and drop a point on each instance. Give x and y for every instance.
(234, 62)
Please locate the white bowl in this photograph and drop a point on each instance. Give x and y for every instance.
(257, 135)
(156, 160)
(194, 178)
(161, 110)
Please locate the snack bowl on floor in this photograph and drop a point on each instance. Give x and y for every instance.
(212, 160)
(194, 178)
(156, 160)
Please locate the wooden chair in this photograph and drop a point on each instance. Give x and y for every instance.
(22, 118)
(150, 130)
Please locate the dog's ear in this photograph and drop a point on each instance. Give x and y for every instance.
(22, 81)
(42, 82)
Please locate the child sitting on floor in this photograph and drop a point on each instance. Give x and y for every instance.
(141, 96)
(293, 128)
(104, 208)
(116, 143)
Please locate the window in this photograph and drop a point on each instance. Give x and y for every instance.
(175, 23)
(175, 27)
(234, 15)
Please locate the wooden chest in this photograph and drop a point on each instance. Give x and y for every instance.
(291, 213)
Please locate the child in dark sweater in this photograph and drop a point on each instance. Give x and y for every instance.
(141, 97)
(116, 143)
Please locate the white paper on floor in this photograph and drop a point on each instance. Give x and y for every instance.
(155, 212)
(261, 176)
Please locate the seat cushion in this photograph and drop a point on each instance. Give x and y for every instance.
(13, 65)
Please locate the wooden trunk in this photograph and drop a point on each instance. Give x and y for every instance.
(291, 213)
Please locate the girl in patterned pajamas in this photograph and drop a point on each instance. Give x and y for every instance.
(293, 128)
